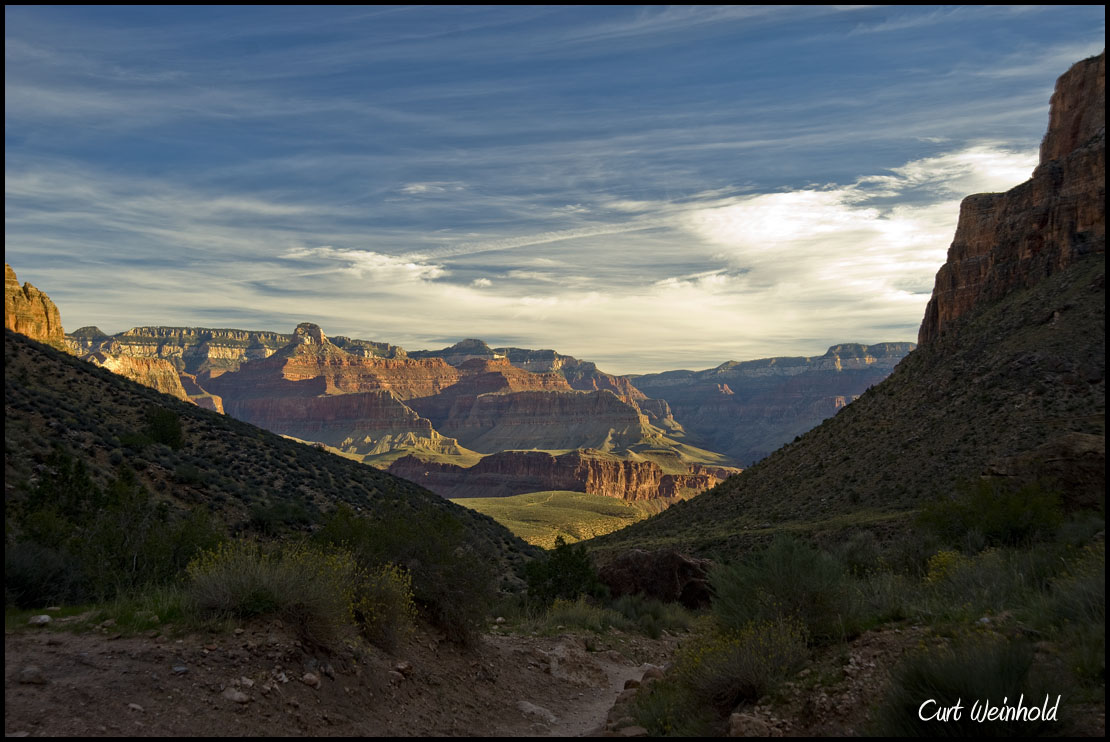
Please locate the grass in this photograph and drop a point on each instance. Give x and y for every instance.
(541, 517)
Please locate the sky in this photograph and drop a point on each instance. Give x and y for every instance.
(648, 188)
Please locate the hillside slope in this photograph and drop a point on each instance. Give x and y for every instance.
(1010, 378)
(238, 472)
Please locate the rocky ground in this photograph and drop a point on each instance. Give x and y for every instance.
(259, 680)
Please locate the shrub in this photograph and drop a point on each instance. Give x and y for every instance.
(382, 606)
(309, 588)
(164, 426)
(787, 580)
(566, 572)
(452, 583)
(973, 669)
(987, 512)
(669, 709)
(725, 668)
(650, 616)
(37, 576)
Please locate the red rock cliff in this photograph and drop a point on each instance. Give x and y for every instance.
(1006, 241)
(30, 312)
(517, 472)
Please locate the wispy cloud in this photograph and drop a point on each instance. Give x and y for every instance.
(646, 187)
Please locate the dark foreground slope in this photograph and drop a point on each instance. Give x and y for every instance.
(248, 478)
(1009, 379)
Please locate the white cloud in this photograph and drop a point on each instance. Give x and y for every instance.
(481, 283)
(369, 264)
(419, 189)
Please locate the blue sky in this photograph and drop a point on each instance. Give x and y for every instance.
(648, 188)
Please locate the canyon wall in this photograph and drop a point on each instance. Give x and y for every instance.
(156, 373)
(30, 312)
(518, 472)
(1006, 241)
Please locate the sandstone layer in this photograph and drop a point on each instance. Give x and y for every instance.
(156, 373)
(518, 472)
(30, 312)
(1006, 241)
(748, 409)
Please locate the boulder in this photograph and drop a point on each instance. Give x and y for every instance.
(665, 575)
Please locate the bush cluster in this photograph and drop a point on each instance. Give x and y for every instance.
(988, 512)
(452, 581)
(72, 540)
(323, 593)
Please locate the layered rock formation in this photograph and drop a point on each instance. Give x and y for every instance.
(553, 420)
(192, 350)
(311, 365)
(1006, 241)
(30, 312)
(156, 373)
(518, 472)
(748, 409)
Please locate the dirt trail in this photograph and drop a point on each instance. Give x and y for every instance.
(261, 681)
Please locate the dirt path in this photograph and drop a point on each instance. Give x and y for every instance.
(261, 681)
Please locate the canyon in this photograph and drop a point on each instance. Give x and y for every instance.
(470, 420)
(748, 409)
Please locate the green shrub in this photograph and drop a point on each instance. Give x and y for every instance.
(452, 582)
(565, 572)
(670, 709)
(1079, 595)
(974, 669)
(988, 512)
(36, 576)
(164, 426)
(789, 579)
(727, 667)
(308, 588)
(649, 616)
(382, 606)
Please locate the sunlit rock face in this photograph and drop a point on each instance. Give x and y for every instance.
(1010, 240)
(157, 373)
(30, 312)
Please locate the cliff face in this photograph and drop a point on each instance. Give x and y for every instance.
(553, 420)
(747, 410)
(156, 373)
(518, 472)
(1011, 240)
(365, 423)
(191, 350)
(311, 365)
(30, 312)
